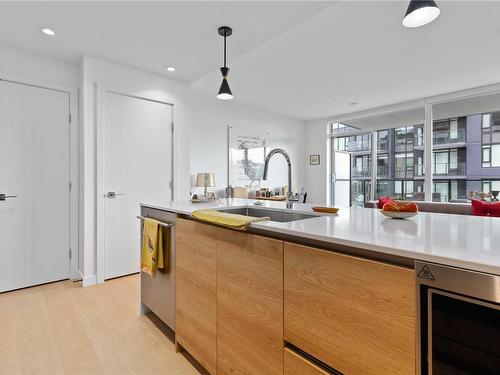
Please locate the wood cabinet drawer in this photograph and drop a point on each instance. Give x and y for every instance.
(355, 315)
(249, 304)
(195, 324)
(295, 364)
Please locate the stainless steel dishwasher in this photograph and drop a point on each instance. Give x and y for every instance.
(459, 321)
(158, 294)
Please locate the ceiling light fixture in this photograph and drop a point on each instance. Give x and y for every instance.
(224, 91)
(420, 13)
(48, 31)
(170, 68)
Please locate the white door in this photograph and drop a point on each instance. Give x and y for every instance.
(341, 179)
(34, 169)
(137, 167)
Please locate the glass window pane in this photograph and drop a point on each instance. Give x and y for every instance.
(495, 137)
(495, 155)
(486, 120)
(486, 154)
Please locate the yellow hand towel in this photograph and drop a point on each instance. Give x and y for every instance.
(238, 222)
(152, 247)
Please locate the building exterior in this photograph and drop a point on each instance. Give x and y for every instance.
(466, 157)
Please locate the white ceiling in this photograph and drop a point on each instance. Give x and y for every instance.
(149, 35)
(302, 59)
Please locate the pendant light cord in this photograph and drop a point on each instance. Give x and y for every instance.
(224, 50)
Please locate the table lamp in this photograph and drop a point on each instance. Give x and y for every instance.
(205, 180)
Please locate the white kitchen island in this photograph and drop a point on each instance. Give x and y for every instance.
(469, 242)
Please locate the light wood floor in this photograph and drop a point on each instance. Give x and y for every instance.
(62, 328)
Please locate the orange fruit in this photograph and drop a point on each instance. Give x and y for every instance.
(408, 207)
(391, 206)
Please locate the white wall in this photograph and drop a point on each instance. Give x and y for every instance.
(32, 68)
(200, 139)
(210, 119)
(316, 142)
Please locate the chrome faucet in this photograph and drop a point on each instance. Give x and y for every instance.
(289, 204)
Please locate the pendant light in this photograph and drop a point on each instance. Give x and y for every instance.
(420, 13)
(224, 91)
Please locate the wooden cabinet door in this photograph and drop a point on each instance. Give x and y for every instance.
(195, 323)
(298, 365)
(249, 304)
(356, 315)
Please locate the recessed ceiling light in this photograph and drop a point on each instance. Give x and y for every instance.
(170, 68)
(48, 31)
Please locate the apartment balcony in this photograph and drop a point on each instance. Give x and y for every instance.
(447, 170)
(382, 171)
(404, 173)
(360, 173)
(403, 147)
(358, 146)
(449, 138)
(444, 140)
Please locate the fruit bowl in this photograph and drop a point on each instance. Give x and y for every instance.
(399, 210)
(398, 214)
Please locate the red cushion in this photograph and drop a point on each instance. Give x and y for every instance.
(384, 200)
(494, 209)
(480, 208)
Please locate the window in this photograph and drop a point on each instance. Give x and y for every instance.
(382, 165)
(362, 166)
(490, 125)
(465, 155)
(404, 165)
(383, 141)
(358, 146)
(449, 190)
(450, 130)
(404, 139)
(339, 128)
(449, 162)
(399, 151)
(491, 186)
(486, 161)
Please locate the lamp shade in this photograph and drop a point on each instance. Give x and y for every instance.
(205, 180)
(224, 91)
(420, 13)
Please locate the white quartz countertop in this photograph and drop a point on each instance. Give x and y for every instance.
(469, 242)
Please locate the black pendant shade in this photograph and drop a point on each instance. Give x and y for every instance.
(420, 13)
(224, 91)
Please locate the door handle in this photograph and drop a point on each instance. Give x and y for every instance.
(112, 194)
(5, 196)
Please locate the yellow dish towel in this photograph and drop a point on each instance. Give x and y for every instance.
(152, 248)
(238, 222)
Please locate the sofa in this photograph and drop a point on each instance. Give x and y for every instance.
(438, 207)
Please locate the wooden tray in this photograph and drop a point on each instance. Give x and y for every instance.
(326, 210)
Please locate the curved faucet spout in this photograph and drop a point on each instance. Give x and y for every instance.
(289, 162)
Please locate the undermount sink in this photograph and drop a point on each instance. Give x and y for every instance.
(280, 216)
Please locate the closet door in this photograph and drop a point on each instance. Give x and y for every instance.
(34, 185)
(137, 167)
